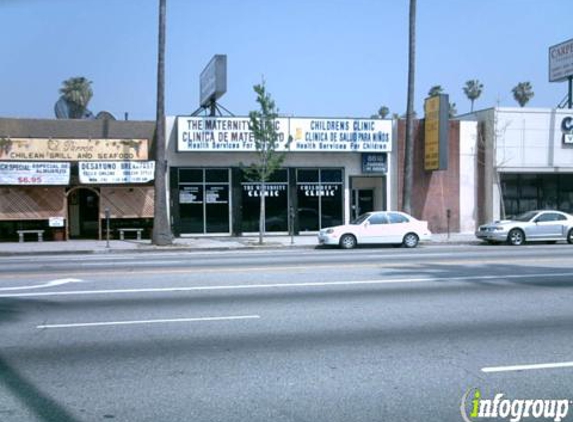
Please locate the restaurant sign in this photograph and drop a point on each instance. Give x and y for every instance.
(116, 172)
(62, 149)
(225, 134)
(34, 173)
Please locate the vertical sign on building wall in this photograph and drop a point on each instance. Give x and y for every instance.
(436, 128)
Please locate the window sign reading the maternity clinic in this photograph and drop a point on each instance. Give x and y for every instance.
(227, 134)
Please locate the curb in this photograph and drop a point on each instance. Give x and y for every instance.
(192, 249)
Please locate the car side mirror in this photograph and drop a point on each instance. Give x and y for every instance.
(366, 223)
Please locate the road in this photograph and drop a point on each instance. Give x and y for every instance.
(374, 334)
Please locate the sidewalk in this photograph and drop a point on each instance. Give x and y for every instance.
(190, 244)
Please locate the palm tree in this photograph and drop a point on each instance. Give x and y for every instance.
(409, 144)
(438, 90)
(161, 229)
(473, 90)
(382, 113)
(435, 90)
(77, 92)
(523, 92)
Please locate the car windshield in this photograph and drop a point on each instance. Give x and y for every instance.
(361, 219)
(526, 216)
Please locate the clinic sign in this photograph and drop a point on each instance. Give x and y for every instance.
(34, 173)
(227, 134)
(341, 135)
(116, 172)
(561, 61)
(211, 134)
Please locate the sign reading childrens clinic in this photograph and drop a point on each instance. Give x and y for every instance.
(211, 134)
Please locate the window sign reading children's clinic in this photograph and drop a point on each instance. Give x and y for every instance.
(227, 134)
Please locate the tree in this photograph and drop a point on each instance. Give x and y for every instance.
(383, 112)
(473, 90)
(438, 90)
(453, 110)
(435, 90)
(262, 123)
(161, 227)
(409, 144)
(77, 92)
(522, 92)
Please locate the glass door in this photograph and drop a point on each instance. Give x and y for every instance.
(362, 201)
(204, 201)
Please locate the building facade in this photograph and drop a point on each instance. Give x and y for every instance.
(61, 176)
(525, 161)
(334, 170)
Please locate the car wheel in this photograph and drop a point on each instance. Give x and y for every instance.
(516, 237)
(570, 237)
(410, 240)
(347, 241)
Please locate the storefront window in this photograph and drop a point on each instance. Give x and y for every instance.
(191, 209)
(276, 204)
(319, 196)
(526, 192)
(204, 201)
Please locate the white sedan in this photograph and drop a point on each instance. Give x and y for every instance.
(379, 227)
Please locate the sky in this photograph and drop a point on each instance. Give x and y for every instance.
(318, 58)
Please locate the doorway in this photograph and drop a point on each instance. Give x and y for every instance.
(367, 193)
(362, 202)
(83, 213)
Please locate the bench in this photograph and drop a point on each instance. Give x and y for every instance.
(21, 234)
(122, 233)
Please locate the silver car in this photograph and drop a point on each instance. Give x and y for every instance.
(532, 226)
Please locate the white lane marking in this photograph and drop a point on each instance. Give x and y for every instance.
(287, 285)
(151, 321)
(43, 286)
(528, 367)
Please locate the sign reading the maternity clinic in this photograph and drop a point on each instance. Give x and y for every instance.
(225, 134)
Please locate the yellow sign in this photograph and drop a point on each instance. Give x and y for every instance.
(432, 133)
(60, 149)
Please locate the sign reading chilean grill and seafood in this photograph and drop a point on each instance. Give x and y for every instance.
(34, 173)
(224, 134)
(60, 149)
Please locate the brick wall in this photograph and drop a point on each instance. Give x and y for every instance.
(433, 192)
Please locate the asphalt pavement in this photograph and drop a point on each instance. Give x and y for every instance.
(191, 243)
(368, 335)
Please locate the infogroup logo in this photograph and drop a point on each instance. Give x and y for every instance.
(475, 407)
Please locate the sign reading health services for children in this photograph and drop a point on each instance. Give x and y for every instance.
(34, 173)
(116, 172)
(226, 134)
